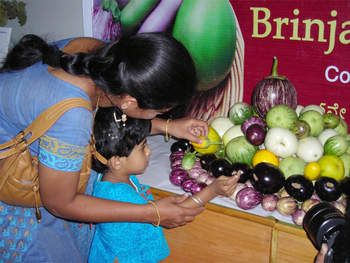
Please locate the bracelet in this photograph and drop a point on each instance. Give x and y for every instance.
(197, 200)
(157, 212)
(167, 136)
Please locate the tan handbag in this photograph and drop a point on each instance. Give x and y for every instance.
(19, 178)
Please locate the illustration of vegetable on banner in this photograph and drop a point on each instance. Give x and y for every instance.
(208, 29)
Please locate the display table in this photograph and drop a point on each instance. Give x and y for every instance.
(225, 233)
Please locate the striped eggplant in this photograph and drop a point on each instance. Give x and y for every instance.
(273, 90)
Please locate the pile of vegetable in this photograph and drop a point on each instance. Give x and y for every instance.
(291, 156)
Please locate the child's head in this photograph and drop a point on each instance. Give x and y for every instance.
(113, 137)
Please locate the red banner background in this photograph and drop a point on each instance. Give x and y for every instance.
(304, 62)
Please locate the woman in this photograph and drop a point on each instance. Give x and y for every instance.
(144, 75)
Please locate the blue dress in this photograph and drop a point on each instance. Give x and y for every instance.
(129, 242)
(23, 96)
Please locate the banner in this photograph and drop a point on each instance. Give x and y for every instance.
(311, 40)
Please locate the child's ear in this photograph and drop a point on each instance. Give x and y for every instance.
(115, 162)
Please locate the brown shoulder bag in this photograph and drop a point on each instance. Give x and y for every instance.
(19, 178)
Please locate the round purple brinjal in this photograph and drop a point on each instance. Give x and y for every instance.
(176, 156)
(181, 146)
(298, 187)
(327, 189)
(246, 171)
(188, 184)
(252, 121)
(206, 160)
(255, 134)
(220, 167)
(177, 176)
(248, 198)
(197, 187)
(267, 178)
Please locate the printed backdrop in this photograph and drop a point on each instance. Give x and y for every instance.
(233, 42)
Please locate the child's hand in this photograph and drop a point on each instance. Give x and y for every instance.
(225, 185)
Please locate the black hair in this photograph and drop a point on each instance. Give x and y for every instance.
(114, 137)
(154, 68)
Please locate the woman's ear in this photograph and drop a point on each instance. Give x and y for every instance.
(128, 101)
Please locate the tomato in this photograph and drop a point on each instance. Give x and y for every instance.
(265, 156)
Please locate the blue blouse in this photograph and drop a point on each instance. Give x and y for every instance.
(129, 242)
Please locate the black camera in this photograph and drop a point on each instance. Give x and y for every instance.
(323, 223)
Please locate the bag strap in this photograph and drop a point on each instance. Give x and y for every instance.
(40, 125)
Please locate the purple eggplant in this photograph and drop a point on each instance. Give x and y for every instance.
(251, 121)
(161, 17)
(188, 184)
(181, 146)
(220, 167)
(267, 178)
(206, 160)
(298, 187)
(327, 189)
(178, 176)
(197, 187)
(273, 90)
(255, 134)
(248, 198)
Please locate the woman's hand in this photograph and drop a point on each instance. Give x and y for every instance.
(188, 128)
(224, 185)
(172, 214)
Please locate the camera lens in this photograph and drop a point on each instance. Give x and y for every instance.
(322, 221)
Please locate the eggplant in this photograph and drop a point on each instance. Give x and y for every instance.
(255, 134)
(327, 189)
(273, 90)
(248, 198)
(206, 160)
(298, 187)
(267, 178)
(178, 176)
(181, 146)
(220, 167)
(246, 171)
(251, 121)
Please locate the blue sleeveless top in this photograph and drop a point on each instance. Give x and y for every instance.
(129, 242)
(24, 95)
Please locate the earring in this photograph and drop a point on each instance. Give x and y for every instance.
(123, 118)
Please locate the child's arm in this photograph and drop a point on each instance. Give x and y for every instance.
(221, 186)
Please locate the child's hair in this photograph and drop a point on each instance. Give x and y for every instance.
(115, 138)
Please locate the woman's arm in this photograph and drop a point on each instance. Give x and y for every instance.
(183, 128)
(58, 194)
(221, 186)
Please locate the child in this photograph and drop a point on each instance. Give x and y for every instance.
(122, 141)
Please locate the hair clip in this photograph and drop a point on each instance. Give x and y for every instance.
(123, 118)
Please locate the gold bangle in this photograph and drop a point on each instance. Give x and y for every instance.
(157, 212)
(197, 200)
(167, 136)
